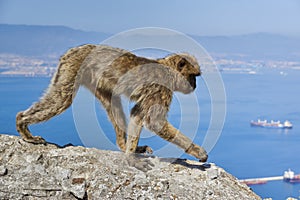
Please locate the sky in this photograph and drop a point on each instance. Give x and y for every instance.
(198, 17)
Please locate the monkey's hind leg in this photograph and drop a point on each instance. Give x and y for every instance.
(53, 103)
(22, 128)
(59, 96)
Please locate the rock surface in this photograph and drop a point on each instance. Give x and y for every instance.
(29, 171)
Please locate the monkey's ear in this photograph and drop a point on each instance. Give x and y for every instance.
(182, 62)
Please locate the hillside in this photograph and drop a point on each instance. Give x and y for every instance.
(30, 171)
(38, 41)
(254, 46)
(29, 40)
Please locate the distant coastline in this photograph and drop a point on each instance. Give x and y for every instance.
(21, 66)
(34, 51)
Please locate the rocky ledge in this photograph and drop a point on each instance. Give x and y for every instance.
(29, 171)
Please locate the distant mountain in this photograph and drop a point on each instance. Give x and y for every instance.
(32, 40)
(254, 46)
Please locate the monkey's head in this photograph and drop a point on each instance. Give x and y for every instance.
(187, 68)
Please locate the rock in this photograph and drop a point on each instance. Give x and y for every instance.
(76, 186)
(29, 171)
(3, 171)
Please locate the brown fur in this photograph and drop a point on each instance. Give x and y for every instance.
(110, 72)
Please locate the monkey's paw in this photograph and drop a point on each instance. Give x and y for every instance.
(198, 152)
(35, 140)
(144, 149)
(139, 162)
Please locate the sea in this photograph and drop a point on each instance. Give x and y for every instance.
(242, 150)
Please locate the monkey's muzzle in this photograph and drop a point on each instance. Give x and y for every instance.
(192, 81)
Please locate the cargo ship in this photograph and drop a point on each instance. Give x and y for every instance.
(289, 176)
(272, 124)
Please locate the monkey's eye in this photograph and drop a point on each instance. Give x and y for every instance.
(181, 64)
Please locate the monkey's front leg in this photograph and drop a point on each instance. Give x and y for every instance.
(135, 160)
(133, 136)
(171, 134)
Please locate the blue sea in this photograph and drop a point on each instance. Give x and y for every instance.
(242, 150)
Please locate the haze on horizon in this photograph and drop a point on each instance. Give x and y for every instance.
(214, 17)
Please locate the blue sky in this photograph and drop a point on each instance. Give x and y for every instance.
(210, 17)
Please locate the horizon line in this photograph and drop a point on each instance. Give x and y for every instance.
(190, 34)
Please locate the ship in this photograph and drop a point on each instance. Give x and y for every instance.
(289, 176)
(272, 124)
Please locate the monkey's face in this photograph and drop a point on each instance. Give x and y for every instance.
(189, 69)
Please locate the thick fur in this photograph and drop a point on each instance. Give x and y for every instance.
(109, 73)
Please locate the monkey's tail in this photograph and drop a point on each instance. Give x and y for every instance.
(61, 91)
